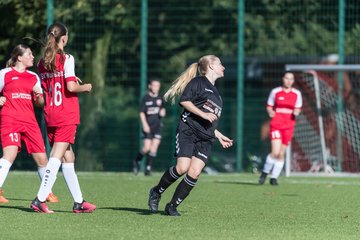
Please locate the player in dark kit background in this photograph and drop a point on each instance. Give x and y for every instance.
(196, 132)
(151, 113)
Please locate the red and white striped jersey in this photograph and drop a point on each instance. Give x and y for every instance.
(17, 88)
(61, 106)
(284, 104)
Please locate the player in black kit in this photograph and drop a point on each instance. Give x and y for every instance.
(151, 113)
(196, 132)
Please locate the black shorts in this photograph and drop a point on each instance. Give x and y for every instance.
(189, 145)
(155, 132)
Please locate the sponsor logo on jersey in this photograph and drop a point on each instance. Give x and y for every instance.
(153, 110)
(209, 90)
(51, 75)
(212, 107)
(21, 96)
(14, 78)
(207, 107)
(281, 98)
(148, 103)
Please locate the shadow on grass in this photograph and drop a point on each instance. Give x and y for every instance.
(139, 211)
(25, 209)
(237, 182)
(20, 199)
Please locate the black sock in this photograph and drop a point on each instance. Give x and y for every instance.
(183, 190)
(168, 178)
(139, 156)
(149, 160)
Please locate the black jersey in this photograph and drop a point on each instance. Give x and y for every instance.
(206, 97)
(151, 107)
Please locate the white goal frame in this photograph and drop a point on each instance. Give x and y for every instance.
(311, 69)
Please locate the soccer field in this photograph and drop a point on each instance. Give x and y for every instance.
(224, 206)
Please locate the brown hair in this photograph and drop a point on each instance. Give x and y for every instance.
(54, 34)
(180, 83)
(18, 50)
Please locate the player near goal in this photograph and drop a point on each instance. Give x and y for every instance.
(62, 115)
(283, 105)
(196, 132)
(151, 113)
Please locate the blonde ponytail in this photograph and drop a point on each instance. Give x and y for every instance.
(180, 83)
(178, 86)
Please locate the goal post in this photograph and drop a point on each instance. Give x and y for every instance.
(326, 138)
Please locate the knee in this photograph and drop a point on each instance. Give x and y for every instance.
(181, 169)
(69, 159)
(278, 155)
(154, 148)
(41, 161)
(194, 172)
(145, 150)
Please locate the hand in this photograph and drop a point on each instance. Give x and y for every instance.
(87, 87)
(146, 129)
(271, 113)
(37, 91)
(2, 101)
(162, 112)
(296, 112)
(209, 116)
(225, 141)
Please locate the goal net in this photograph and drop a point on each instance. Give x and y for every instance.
(327, 134)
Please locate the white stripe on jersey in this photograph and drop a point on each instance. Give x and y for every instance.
(271, 99)
(2, 77)
(38, 82)
(69, 66)
(299, 101)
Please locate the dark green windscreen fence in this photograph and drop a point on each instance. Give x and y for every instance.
(105, 39)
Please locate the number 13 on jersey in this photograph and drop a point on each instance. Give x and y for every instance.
(14, 137)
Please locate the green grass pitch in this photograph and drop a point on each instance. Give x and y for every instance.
(224, 206)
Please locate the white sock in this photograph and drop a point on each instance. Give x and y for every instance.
(4, 170)
(72, 181)
(278, 166)
(41, 171)
(269, 163)
(49, 178)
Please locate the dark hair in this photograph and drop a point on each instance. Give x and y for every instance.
(18, 50)
(54, 34)
(286, 72)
